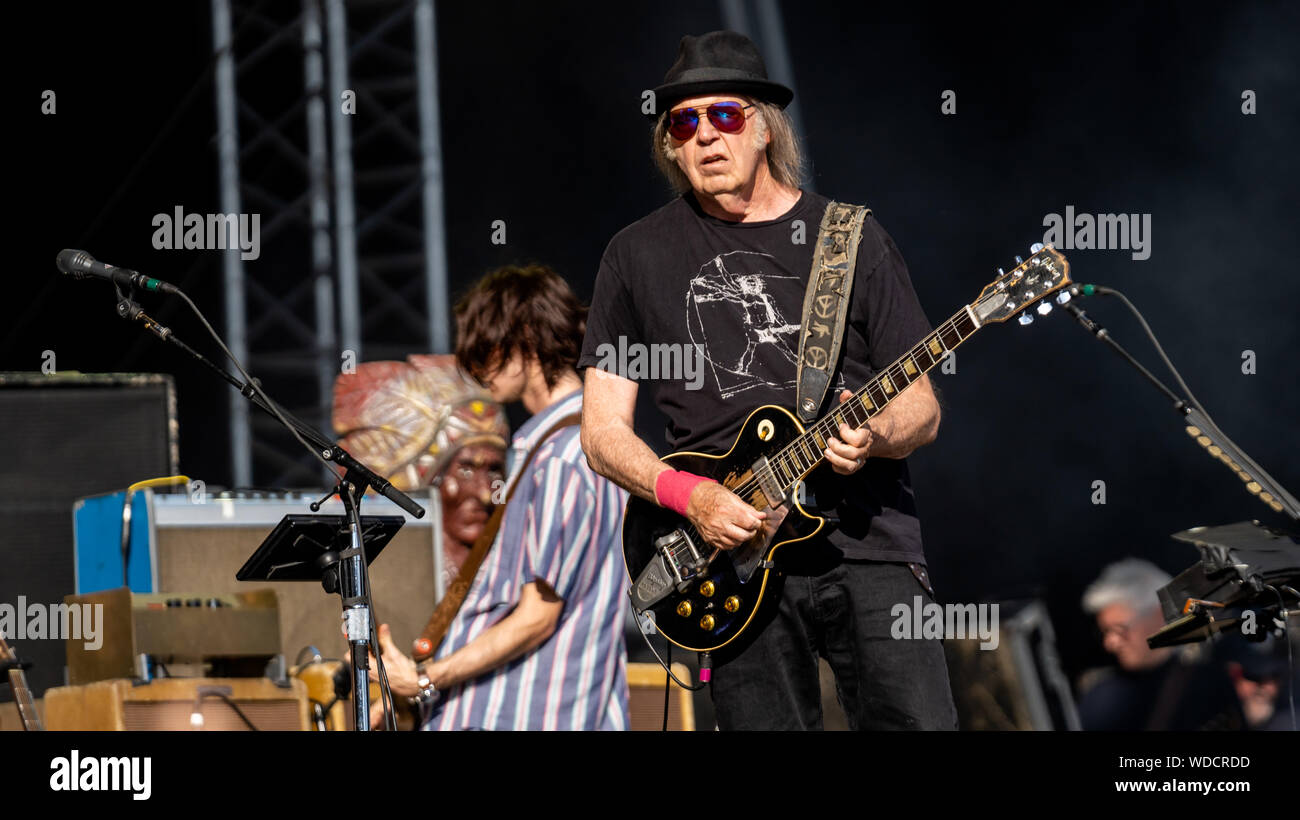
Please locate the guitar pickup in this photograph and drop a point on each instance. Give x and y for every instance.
(767, 482)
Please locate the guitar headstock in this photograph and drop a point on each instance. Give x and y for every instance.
(1030, 281)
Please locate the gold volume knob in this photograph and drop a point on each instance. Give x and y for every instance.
(731, 604)
(706, 589)
(684, 609)
(706, 623)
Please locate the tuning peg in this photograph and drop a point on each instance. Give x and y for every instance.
(1063, 297)
(1019, 261)
(1036, 247)
(1044, 308)
(1001, 272)
(1026, 319)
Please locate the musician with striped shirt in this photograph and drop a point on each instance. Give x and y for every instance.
(537, 643)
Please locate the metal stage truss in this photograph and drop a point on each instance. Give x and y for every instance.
(345, 168)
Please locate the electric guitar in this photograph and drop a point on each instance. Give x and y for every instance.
(22, 695)
(702, 598)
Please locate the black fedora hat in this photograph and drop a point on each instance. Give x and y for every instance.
(718, 62)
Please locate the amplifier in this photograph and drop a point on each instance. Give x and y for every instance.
(645, 684)
(172, 628)
(169, 704)
(187, 542)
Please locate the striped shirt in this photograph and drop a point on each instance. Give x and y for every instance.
(561, 526)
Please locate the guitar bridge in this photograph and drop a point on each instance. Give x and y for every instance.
(677, 562)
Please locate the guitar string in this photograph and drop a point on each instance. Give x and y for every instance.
(825, 425)
(791, 459)
(791, 455)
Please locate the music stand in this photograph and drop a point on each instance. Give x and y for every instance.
(309, 547)
(327, 548)
(1244, 567)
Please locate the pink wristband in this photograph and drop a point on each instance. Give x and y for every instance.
(673, 489)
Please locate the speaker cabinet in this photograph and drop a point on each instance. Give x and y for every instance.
(168, 704)
(65, 437)
(645, 683)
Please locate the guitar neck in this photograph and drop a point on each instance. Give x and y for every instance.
(803, 454)
(23, 700)
(22, 695)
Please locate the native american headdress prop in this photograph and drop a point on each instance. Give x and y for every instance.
(405, 420)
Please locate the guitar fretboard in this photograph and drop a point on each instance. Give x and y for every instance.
(803, 454)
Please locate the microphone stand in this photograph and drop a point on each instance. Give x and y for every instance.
(353, 582)
(1258, 482)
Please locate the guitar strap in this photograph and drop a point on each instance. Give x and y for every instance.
(451, 603)
(826, 303)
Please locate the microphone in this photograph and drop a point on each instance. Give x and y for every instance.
(81, 264)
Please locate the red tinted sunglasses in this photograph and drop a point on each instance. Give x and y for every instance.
(725, 116)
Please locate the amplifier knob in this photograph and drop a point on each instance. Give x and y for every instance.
(684, 609)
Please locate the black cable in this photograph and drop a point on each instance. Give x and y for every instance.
(1286, 635)
(667, 685)
(385, 694)
(257, 388)
(654, 652)
(1187, 391)
(1178, 377)
(232, 705)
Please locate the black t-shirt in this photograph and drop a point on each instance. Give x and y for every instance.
(723, 301)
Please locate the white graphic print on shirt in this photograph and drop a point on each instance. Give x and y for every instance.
(732, 289)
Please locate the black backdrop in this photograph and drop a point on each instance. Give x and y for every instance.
(1106, 109)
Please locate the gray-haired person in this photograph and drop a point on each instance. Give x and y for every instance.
(1152, 689)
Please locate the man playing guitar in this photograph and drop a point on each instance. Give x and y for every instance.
(722, 270)
(537, 642)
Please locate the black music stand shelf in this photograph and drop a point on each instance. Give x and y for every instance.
(308, 547)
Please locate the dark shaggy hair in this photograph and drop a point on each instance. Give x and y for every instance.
(529, 310)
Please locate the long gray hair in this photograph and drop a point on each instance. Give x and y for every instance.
(784, 153)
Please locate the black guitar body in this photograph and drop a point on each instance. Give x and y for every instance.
(710, 606)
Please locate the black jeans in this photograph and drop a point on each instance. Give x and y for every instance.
(770, 679)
